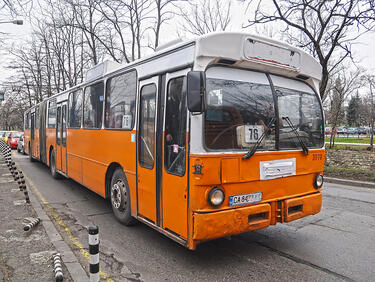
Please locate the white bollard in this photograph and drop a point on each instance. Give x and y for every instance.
(94, 253)
(57, 267)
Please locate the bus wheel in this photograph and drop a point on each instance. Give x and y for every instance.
(52, 165)
(120, 198)
(30, 154)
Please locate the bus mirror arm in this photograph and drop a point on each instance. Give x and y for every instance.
(196, 87)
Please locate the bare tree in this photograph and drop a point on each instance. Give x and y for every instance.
(162, 15)
(11, 110)
(203, 16)
(16, 7)
(326, 28)
(346, 83)
(370, 81)
(127, 20)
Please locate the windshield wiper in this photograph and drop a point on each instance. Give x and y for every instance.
(259, 141)
(303, 145)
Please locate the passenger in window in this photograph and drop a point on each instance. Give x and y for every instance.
(132, 114)
(175, 126)
(172, 113)
(118, 121)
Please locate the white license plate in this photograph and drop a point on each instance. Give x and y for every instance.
(244, 199)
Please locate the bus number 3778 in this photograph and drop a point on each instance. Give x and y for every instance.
(197, 141)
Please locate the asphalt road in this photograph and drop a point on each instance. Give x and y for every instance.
(337, 244)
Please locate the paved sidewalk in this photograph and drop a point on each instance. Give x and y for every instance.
(24, 256)
(349, 182)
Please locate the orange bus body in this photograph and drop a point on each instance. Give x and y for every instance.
(180, 208)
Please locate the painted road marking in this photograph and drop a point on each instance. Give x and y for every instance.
(60, 222)
(19, 202)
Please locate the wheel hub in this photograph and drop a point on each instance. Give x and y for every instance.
(118, 195)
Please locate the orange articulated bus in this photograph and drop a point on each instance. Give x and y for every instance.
(203, 139)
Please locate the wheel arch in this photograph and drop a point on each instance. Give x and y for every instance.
(49, 154)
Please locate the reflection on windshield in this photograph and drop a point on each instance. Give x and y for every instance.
(237, 114)
(303, 110)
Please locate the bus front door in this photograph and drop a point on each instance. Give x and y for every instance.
(175, 143)
(161, 169)
(61, 134)
(146, 167)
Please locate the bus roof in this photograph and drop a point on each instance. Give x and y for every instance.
(268, 54)
(251, 48)
(233, 48)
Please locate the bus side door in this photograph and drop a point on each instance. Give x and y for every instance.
(61, 137)
(146, 167)
(32, 133)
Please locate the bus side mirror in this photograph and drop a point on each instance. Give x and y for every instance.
(196, 86)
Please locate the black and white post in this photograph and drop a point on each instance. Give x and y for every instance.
(33, 222)
(94, 253)
(57, 267)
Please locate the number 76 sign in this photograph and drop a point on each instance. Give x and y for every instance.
(253, 133)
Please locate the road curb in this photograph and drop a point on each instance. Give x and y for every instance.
(349, 182)
(71, 262)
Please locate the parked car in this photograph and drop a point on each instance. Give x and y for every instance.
(7, 134)
(21, 144)
(12, 139)
(328, 130)
(362, 130)
(341, 130)
(3, 134)
(352, 130)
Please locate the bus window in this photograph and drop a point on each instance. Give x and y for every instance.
(75, 109)
(52, 114)
(147, 126)
(37, 118)
(63, 139)
(300, 104)
(120, 101)
(27, 121)
(93, 106)
(58, 126)
(175, 127)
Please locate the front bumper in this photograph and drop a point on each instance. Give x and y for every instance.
(238, 220)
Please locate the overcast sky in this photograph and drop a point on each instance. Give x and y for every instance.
(364, 50)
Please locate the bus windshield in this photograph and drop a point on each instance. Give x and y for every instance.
(241, 108)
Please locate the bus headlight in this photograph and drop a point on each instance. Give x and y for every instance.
(216, 197)
(318, 181)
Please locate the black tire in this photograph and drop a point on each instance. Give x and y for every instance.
(52, 165)
(18, 150)
(23, 150)
(30, 155)
(120, 198)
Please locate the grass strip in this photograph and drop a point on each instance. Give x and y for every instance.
(350, 140)
(350, 173)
